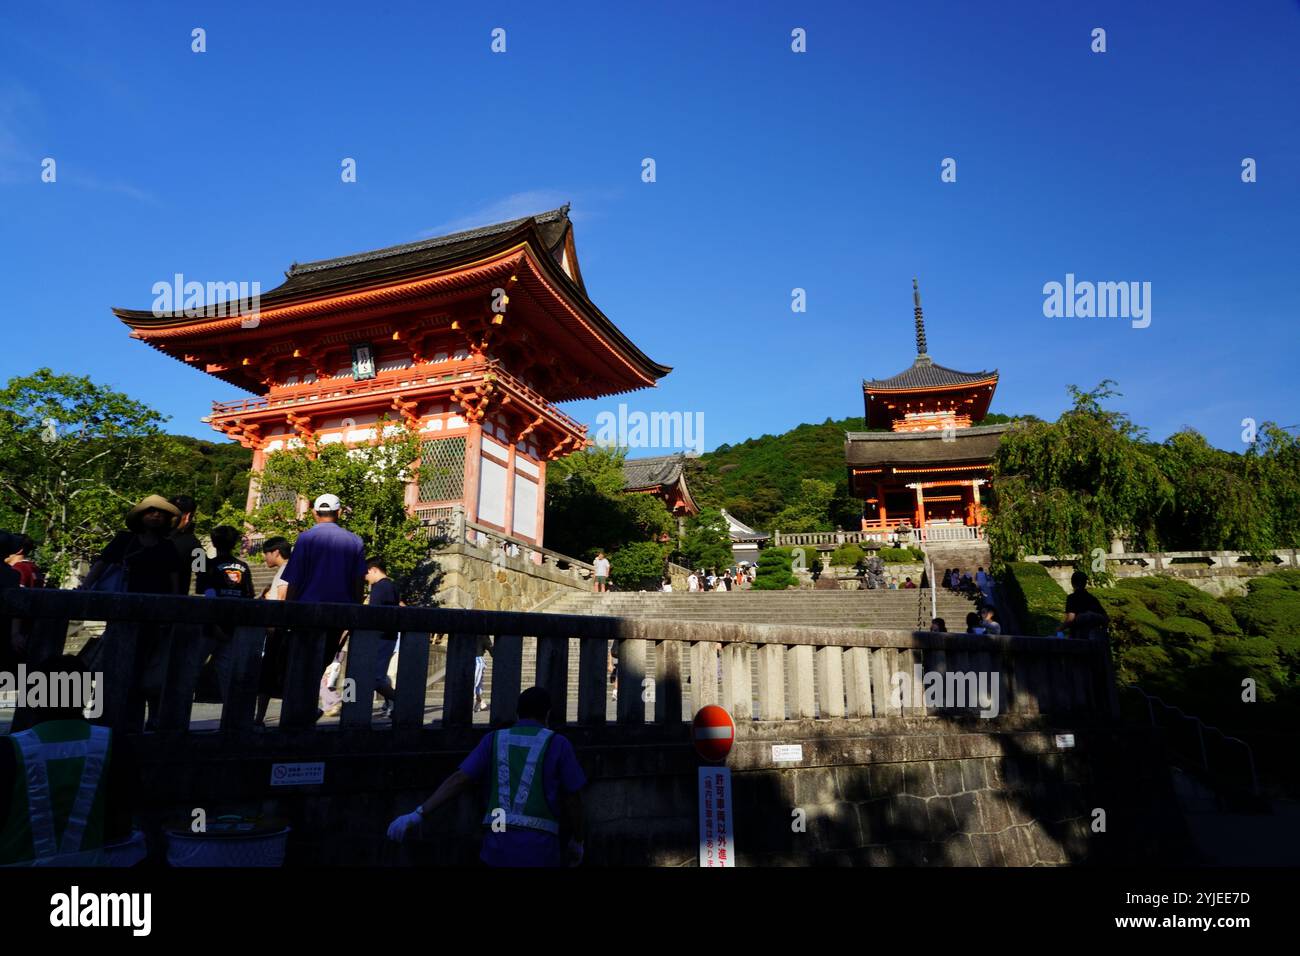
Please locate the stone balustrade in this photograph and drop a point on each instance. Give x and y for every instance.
(801, 672)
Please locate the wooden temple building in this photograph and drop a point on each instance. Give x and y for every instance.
(663, 476)
(467, 339)
(926, 457)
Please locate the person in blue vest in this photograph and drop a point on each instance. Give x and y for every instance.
(65, 791)
(532, 785)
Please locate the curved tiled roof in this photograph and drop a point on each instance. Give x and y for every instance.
(976, 444)
(928, 375)
(642, 473)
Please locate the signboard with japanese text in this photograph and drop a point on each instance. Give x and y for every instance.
(717, 841)
(363, 362)
(297, 774)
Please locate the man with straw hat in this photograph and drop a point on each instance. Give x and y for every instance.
(143, 560)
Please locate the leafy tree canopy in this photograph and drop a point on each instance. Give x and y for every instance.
(369, 479)
(587, 510)
(74, 457)
(707, 541)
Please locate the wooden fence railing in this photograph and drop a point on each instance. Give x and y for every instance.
(800, 672)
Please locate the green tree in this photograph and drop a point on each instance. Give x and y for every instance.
(707, 541)
(638, 566)
(587, 509)
(1272, 466)
(212, 473)
(1217, 503)
(74, 457)
(774, 572)
(1070, 486)
(810, 511)
(369, 479)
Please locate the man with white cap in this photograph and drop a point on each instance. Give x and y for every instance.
(328, 565)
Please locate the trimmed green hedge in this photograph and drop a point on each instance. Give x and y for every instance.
(774, 572)
(1037, 600)
(901, 555)
(847, 555)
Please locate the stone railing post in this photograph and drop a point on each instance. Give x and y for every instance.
(668, 682)
(799, 675)
(737, 692)
(704, 673)
(830, 677)
(857, 679)
(771, 682)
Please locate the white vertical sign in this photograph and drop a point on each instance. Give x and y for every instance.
(717, 845)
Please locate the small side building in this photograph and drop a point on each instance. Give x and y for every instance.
(745, 541)
(664, 477)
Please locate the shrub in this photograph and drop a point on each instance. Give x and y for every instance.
(901, 555)
(1168, 597)
(1287, 579)
(1141, 664)
(1272, 611)
(774, 570)
(848, 555)
(1035, 598)
(1132, 623)
(637, 565)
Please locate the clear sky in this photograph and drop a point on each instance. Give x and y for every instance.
(776, 170)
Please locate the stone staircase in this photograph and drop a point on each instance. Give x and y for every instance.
(905, 610)
(965, 556)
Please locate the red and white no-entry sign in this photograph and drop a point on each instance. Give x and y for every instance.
(713, 732)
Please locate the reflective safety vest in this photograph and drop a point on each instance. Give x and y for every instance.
(56, 815)
(516, 786)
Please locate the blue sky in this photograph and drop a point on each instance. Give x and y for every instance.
(775, 171)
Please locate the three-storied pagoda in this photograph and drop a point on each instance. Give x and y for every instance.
(927, 469)
(467, 339)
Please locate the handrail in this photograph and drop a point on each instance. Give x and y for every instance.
(524, 546)
(488, 369)
(1201, 727)
(803, 672)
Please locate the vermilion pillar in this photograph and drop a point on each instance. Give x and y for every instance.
(473, 458)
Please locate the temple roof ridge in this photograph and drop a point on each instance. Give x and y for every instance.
(479, 232)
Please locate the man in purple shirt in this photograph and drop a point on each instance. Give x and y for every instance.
(328, 565)
(532, 782)
(328, 562)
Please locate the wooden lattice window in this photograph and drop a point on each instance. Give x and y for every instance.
(442, 469)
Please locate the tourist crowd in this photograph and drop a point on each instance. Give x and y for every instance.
(158, 552)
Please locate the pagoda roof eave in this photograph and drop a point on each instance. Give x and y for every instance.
(441, 257)
(940, 379)
(310, 281)
(521, 245)
(974, 445)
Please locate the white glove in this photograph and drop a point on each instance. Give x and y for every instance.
(398, 829)
(575, 853)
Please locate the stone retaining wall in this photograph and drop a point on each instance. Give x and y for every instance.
(474, 578)
(908, 792)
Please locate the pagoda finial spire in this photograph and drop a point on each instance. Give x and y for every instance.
(922, 357)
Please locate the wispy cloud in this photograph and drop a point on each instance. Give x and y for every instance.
(20, 164)
(530, 202)
(515, 206)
